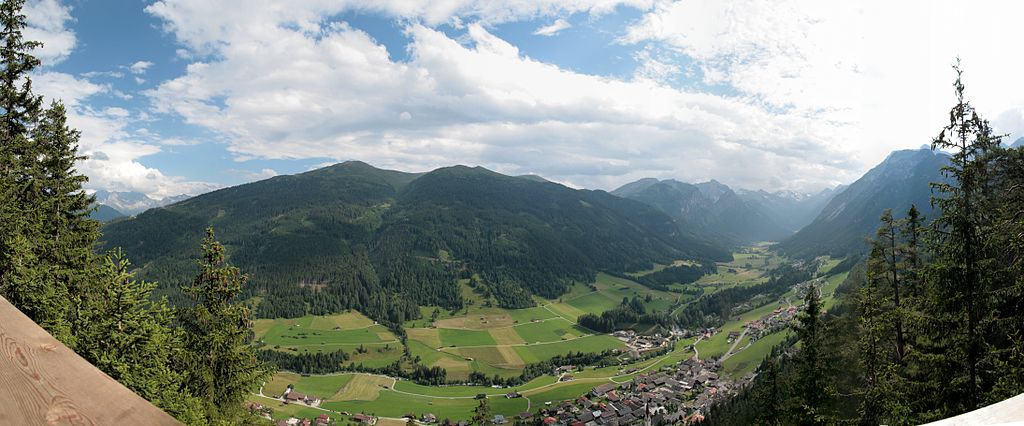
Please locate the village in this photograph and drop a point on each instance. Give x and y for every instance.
(672, 395)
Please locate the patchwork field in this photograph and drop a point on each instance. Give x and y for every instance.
(382, 396)
(345, 331)
(482, 338)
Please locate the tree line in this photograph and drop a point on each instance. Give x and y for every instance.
(714, 309)
(627, 313)
(194, 362)
(929, 325)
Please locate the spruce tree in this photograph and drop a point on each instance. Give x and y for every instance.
(129, 336)
(481, 414)
(221, 367)
(26, 278)
(810, 389)
(960, 274)
(68, 234)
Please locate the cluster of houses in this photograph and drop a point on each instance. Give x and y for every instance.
(639, 343)
(291, 396)
(673, 395)
(321, 420)
(430, 419)
(768, 324)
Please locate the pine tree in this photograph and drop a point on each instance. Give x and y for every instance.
(871, 331)
(810, 388)
(129, 336)
(481, 414)
(221, 367)
(67, 234)
(25, 278)
(960, 278)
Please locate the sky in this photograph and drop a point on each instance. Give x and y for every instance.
(185, 96)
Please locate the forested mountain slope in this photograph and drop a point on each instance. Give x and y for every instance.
(354, 236)
(897, 182)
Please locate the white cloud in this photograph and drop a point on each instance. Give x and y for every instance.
(46, 23)
(140, 67)
(113, 152)
(876, 72)
(553, 29)
(294, 91)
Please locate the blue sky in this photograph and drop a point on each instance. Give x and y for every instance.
(183, 96)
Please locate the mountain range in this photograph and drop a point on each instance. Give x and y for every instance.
(105, 213)
(355, 236)
(713, 211)
(898, 182)
(131, 203)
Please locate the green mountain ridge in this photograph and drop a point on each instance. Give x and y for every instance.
(382, 241)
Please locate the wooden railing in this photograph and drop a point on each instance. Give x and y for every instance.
(42, 382)
(1008, 412)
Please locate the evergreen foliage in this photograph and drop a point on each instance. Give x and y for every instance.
(351, 236)
(930, 323)
(221, 366)
(130, 337)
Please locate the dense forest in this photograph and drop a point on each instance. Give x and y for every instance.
(351, 236)
(630, 312)
(194, 362)
(930, 324)
(713, 310)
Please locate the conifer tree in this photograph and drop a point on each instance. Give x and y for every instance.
(810, 388)
(482, 413)
(129, 336)
(960, 274)
(68, 234)
(221, 366)
(25, 278)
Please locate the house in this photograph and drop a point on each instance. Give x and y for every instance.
(323, 420)
(603, 389)
(512, 394)
(429, 418)
(550, 420)
(295, 397)
(565, 378)
(306, 422)
(499, 419)
(364, 419)
(281, 423)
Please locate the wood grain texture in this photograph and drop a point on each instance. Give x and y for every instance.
(42, 382)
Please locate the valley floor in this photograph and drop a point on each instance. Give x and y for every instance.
(500, 342)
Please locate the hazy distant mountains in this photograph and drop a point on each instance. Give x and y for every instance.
(340, 236)
(105, 213)
(900, 180)
(132, 203)
(714, 211)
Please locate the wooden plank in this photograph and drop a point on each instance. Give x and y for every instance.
(1007, 412)
(42, 382)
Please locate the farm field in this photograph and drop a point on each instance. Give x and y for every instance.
(345, 331)
(387, 397)
(482, 338)
(747, 360)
